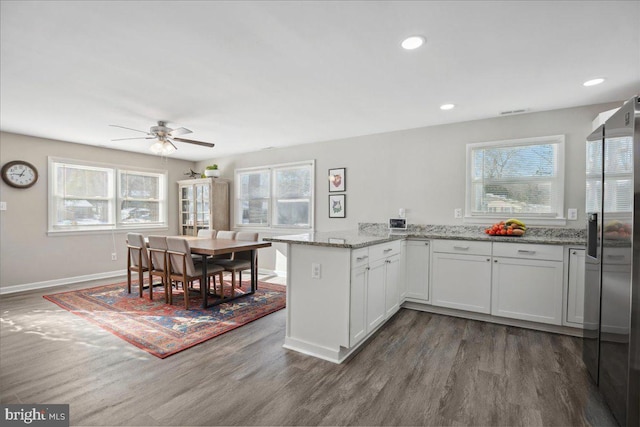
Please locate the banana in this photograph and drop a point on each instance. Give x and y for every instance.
(514, 221)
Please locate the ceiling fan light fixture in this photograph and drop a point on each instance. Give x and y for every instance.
(163, 148)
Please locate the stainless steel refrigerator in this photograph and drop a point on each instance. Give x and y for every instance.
(611, 349)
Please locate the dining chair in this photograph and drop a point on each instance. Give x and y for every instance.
(208, 234)
(240, 260)
(158, 265)
(228, 235)
(211, 234)
(137, 259)
(182, 268)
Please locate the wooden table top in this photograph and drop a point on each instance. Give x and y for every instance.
(206, 246)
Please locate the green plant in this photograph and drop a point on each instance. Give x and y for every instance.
(212, 167)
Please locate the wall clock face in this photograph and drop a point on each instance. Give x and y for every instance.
(19, 174)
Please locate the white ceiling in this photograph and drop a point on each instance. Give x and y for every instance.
(250, 75)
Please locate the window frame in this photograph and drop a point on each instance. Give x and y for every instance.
(114, 199)
(272, 198)
(534, 219)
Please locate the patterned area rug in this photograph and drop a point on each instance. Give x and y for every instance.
(162, 329)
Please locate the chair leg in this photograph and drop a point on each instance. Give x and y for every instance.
(240, 279)
(141, 280)
(233, 284)
(150, 286)
(128, 280)
(221, 278)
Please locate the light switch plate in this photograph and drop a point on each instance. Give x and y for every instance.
(3, 206)
(572, 214)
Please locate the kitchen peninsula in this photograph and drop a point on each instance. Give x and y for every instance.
(343, 286)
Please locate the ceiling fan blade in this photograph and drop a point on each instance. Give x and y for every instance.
(138, 137)
(179, 131)
(191, 141)
(123, 127)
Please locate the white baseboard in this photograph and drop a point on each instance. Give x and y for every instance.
(78, 279)
(60, 282)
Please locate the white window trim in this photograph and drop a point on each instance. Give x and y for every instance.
(110, 228)
(530, 220)
(271, 209)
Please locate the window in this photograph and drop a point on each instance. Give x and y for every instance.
(275, 196)
(86, 196)
(523, 178)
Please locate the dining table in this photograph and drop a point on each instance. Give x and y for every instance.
(206, 247)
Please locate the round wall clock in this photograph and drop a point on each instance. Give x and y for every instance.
(19, 174)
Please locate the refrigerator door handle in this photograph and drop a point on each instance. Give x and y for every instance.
(592, 235)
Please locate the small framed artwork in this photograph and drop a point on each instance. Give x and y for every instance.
(337, 207)
(337, 180)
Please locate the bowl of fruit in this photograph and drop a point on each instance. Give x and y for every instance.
(511, 227)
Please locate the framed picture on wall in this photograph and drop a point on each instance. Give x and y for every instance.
(337, 206)
(337, 180)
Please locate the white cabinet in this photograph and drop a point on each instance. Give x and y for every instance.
(375, 289)
(417, 271)
(575, 287)
(203, 204)
(461, 275)
(376, 311)
(357, 312)
(528, 284)
(392, 285)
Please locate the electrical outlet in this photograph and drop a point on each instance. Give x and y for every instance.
(572, 214)
(315, 270)
(114, 256)
(457, 213)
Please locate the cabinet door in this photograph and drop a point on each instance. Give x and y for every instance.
(357, 316)
(392, 285)
(417, 273)
(575, 286)
(527, 289)
(462, 282)
(376, 294)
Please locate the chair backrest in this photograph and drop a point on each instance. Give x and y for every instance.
(178, 244)
(247, 236)
(136, 240)
(230, 235)
(211, 234)
(157, 258)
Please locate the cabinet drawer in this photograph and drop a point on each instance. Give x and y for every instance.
(384, 250)
(462, 247)
(359, 257)
(528, 251)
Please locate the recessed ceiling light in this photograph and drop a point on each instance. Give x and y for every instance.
(447, 106)
(413, 42)
(593, 82)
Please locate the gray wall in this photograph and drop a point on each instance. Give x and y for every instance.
(28, 254)
(422, 170)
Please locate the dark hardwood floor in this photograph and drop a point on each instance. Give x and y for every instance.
(420, 369)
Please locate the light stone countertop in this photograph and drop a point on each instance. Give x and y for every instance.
(372, 233)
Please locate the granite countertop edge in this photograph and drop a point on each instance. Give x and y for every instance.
(353, 240)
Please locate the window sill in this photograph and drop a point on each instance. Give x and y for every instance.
(137, 229)
(486, 220)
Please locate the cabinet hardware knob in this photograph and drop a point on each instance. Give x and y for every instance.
(574, 252)
(488, 259)
(368, 268)
(495, 260)
(426, 244)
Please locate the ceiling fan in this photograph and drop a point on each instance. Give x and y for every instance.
(165, 138)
